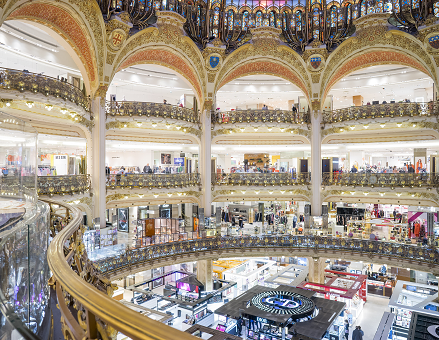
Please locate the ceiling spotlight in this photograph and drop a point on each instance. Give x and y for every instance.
(398, 194)
(184, 130)
(30, 104)
(257, 192)
(8, 104)
(169, 195)
(178, 127)
(366, 126)
(282, 129)
(49, 107)
(414, 124)
(383, 125)
(139, 124)
(154, 125)
(269, 128)
(282, 192)
(292, 131)
(141, 195)
(365, 193)
(242, 129)
(243, 192)
(352, 127)
(398, 124)
(270, 192)
(230, 131)
(155, 195)
(255, 128)
(341, 129)
(179, 193)
(124, 125)
(168, 126)
(352, 192)
(64, 110)
(382, 194)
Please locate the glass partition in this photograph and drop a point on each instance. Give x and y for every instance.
(24, 235)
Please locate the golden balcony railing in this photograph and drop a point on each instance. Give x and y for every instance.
(392, 180)
(260, 116)
(152, 181)
(134, 257)
(389, 110)
(24, 81)
(84, 294)
(146, 109)
(61, 185)
(262, 179)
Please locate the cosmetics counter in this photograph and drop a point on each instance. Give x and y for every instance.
(409, 297)
(281, 313)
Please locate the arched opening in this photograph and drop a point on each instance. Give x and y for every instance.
(169, 60)
(68, 32)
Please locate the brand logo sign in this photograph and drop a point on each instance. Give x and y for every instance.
(284, 302)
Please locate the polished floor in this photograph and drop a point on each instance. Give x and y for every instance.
(371, 316)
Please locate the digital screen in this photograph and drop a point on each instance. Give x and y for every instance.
(184, 286)
(411, 288)
(221, 328)
(179, 161)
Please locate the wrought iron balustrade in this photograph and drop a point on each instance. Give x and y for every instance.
(393, 180)
(84, 294)
(389, 110)
(137, 256)
(37, 83)
(59, 185)
(260, 116)
(262, 179)
(146, 109)
(152, 180)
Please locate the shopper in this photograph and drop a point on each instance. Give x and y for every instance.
(394, 215)
(165, 101)
(346, 329)
(357, 334)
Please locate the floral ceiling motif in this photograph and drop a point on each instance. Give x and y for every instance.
(64, 24)
(166, 59)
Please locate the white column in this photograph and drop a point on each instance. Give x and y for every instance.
(205, 162)
(204, 274)
(316, 164)
(97, 153)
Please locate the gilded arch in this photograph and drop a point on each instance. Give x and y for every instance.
(71, 24)
(168, 59)
(265, 56)
(375, 45)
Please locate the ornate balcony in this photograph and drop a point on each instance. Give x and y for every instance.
(365, 179)
(152, 181)
(24, 81)
(260, 116)
(262, 179)
(62, 185)
(138, 109)
(390, 110)
(135, 257)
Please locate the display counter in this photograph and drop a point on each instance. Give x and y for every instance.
(406, 298)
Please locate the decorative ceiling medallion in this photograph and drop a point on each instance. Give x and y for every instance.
(316, 62)
(117, 37)
(213, 61)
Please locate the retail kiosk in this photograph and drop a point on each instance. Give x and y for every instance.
(409, 297)
(292, 275)
(284, 313)
(349, 288)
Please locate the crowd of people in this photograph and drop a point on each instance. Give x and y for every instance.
(408, 168)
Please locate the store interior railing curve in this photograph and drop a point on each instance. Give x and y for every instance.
(387, 110)
(371, 179)
(147, 109)
(260, 116)
(83, 290)
(425, 255)
(60, 185)
(262, 179)
(159, 181)
(25, 81)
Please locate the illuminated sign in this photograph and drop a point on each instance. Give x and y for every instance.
(283, 302)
